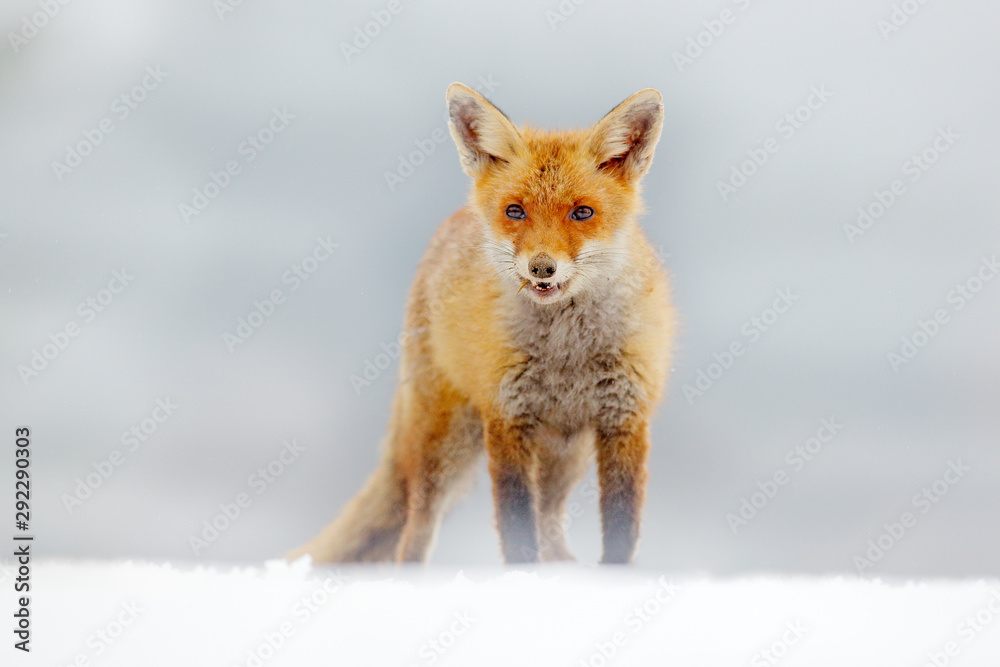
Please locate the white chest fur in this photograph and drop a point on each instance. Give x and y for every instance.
(576, 373)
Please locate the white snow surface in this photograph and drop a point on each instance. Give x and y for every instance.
(141, 613)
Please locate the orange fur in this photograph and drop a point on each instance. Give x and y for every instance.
(498, 359)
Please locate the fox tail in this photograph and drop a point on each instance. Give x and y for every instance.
(369, 527)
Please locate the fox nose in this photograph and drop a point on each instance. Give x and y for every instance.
(542, 266)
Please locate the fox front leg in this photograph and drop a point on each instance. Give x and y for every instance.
(511, 464)
(621, 469)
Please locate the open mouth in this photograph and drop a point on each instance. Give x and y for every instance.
(544, 289)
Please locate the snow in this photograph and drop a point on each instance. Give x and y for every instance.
(143, 613)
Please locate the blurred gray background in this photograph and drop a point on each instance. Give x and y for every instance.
(353, 107)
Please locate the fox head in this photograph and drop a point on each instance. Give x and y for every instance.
(559, 207)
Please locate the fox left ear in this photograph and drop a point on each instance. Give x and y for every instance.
(624, 140)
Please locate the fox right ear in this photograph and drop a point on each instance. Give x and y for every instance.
(481, 131)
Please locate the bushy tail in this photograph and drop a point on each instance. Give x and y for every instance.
(368, 527)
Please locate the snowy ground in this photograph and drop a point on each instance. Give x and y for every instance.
(132, 614)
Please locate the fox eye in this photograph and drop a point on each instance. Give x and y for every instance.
(582, 213)
(515, 212)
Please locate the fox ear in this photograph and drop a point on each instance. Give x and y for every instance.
(623, 141)
(481, 131)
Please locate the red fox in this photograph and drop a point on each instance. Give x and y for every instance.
(539, 330)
